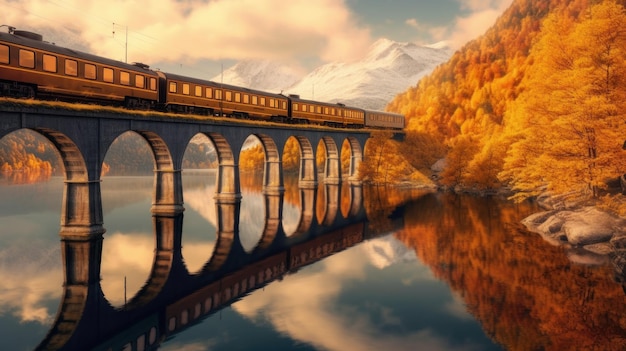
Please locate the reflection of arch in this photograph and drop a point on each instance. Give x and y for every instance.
(308, 171)
(167, 230)
(307, 206)
(227, 181)
(354, 199)
(356, 157)
(227, 231)
(272, 173)
(332, 168)
(331, 205)
(81, 263)
(168, 193)
(273, 217)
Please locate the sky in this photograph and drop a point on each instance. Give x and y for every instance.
(203, 37)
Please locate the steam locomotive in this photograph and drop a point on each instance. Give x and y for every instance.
(33, 68)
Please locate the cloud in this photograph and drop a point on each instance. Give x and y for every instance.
(192, 30)
(305, 307)
(482, 15)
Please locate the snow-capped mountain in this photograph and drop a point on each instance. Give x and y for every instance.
(388, 69)
(262, 75)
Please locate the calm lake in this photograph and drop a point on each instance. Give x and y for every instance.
(434, 271)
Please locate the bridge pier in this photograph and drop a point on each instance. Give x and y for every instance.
(273, 178)
(332, 170)
(81, 212)
(353, 175)
(228, 186)
(168, 192)
(308, 173)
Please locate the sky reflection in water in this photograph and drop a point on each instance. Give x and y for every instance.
(375, 295)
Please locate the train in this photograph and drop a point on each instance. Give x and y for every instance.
(33, 68)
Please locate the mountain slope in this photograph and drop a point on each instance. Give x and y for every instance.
(262, 75)
(388, 69)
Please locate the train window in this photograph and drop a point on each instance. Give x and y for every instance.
(254, 100)
(140, 81)
(90, 71)
(303, 108)
(332, 111)
(218, 94)
(4, 54)
(173, 88)
(284, 105)
(262, 101)
(198, 90)
(185, 88)
(153, 84)
(325, 110)
(295, 107)
(246, 98)
(71, 68)
(229, 95)
(208, 93)
(107, 75)
(124, 78)
(272, 103)
(319, 109)
(27, 58)
(49, 63)
(237, 97)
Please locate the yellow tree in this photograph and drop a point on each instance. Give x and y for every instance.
(574, 105)
(376, 157)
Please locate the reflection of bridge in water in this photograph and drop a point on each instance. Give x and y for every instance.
(173, 299)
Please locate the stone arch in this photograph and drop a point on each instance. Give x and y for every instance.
(332, 167)
(167, 195)
(307, 174)
(81, 213)
(227, 188)
(356, 157)
(272, 172)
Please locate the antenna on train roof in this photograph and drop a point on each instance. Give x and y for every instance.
(125, 43)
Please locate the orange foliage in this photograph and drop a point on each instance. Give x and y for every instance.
(526, 293)
(475, 96)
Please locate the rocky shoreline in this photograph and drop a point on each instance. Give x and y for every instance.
(591, 236)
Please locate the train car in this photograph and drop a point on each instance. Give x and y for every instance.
(31, 67)
(380, 119)
(191, 95)
(323, 113)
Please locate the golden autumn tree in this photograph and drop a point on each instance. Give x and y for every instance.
(571, 138)
(383, 162)
(291, 155)
(252, 159)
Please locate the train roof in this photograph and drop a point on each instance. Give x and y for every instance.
(296, 98)
(221, 85)
(26, 39)
(385, 113)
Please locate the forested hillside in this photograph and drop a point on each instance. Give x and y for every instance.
(536, 103)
